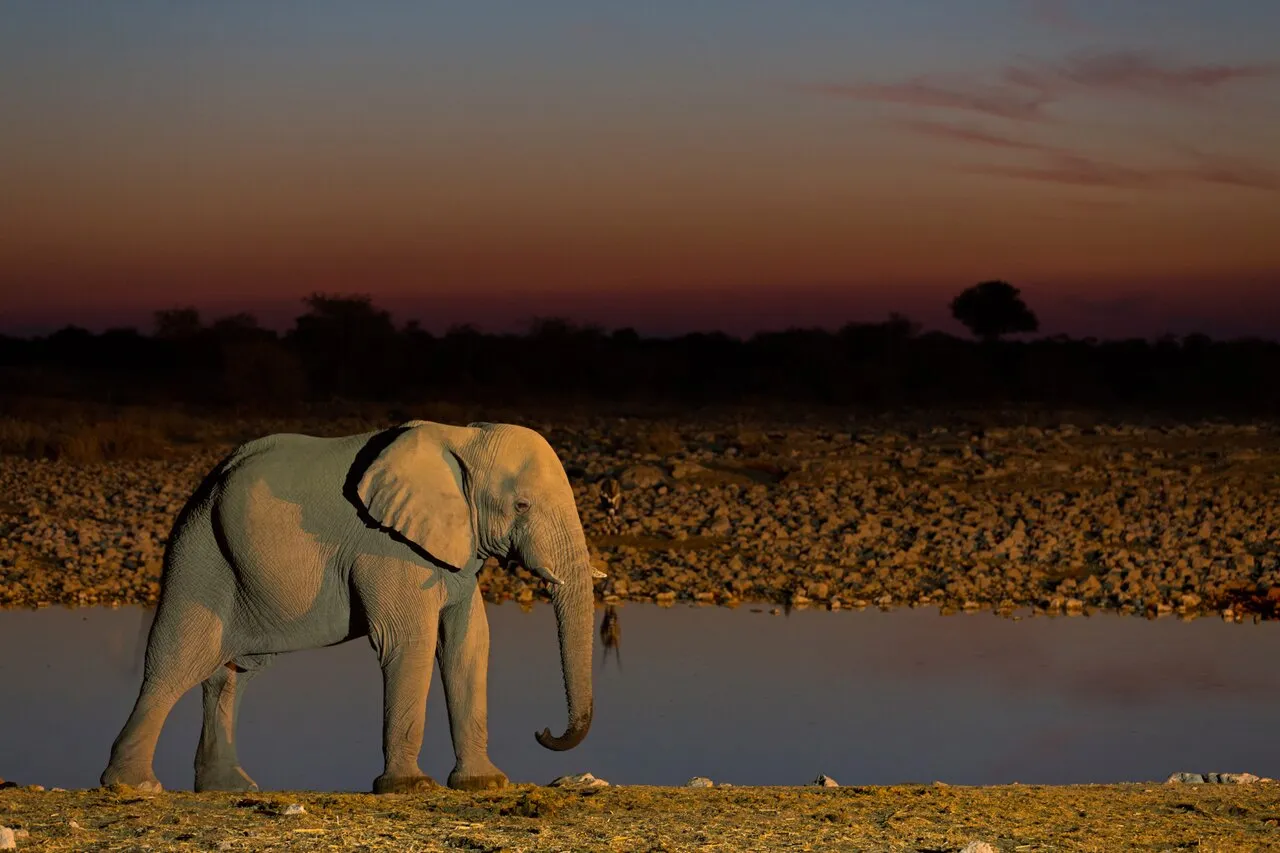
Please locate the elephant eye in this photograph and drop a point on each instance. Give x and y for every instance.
(523, 504)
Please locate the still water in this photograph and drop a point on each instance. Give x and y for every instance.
(738, 696)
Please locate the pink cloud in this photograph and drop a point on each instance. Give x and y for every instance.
(1000, 101)
(1022, 91)
(1131, 71)
(959, 133)
(1058, 15)
(1229, 171)
(1076, 170)
(1064, 167)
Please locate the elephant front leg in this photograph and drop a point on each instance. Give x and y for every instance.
(464, 663)
(217, 767)
(406, 677)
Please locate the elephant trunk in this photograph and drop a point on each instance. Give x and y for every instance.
(573, 600)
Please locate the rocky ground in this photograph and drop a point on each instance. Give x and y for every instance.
(918, 818)
(1069, 516)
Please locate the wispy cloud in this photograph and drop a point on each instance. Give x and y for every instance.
(1133, 72)
(1229, 171)
(961, 133)
(1058, 15)
(1022, 91)
(1063, 166)
(1078, 170)
(1011, 102)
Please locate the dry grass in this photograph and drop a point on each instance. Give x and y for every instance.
(85, 433)
(1151, 817)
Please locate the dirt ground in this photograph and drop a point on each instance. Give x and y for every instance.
(1146, 817)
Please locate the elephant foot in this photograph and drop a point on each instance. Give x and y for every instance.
(463, 781)
(141, 780)
(385, 784)
(232, 778)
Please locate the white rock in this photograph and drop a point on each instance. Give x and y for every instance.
(1214, 778)
(585, 780)
(294, 808)
(978, 847)
(7, 840)
(825, 781)
(699, 782)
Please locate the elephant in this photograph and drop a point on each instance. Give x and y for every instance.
(297, 541)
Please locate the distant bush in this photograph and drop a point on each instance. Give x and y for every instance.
(83, 442)
(85, 432)
(346, 350)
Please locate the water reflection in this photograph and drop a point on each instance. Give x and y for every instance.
(742, 697)
(611, 635)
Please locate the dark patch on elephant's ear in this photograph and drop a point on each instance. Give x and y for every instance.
(407, 482)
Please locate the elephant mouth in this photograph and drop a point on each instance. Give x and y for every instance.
(511, 559)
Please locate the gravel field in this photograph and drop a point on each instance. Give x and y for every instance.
(899, 818)
(850, 514)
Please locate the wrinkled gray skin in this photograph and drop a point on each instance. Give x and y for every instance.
(294, 542)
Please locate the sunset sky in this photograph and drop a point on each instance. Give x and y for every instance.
(669, 166)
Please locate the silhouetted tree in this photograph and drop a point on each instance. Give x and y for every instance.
(177, 323)
(349, 346)
(261, 373)
(993, 308)
(239, 327)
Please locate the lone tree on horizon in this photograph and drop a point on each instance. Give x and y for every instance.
(993, 308)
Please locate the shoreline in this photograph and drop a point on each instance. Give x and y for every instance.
(934, 817)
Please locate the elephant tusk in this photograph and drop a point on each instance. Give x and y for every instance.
(596, 573)
(545, 574)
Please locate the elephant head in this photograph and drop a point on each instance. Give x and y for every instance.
(467, 493)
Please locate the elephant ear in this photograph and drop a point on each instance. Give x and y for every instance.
(415, 487)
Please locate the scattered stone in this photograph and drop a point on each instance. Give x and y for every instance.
(7, 839)
(294, 808)
(684, 470)
(700, 782)
(1214, 779)
(979, 847)
(1067, 520)
(1187, 778)
(642, 476)
(825, 781)
(578, 780)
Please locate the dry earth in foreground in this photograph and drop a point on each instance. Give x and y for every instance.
(1139, 817)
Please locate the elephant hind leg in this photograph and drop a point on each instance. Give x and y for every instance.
(184, 648)
(217, 766)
